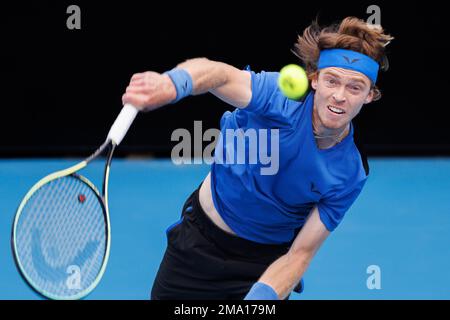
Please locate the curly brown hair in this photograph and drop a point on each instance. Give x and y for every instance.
(351, 34)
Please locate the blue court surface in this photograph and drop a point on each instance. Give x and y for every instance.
(399, 226)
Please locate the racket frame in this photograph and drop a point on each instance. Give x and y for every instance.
(108, 144)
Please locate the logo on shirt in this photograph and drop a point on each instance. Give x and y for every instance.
(314, 189)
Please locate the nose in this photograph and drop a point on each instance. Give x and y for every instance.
(339, 95)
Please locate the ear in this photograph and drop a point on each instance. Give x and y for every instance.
(369, 97)
(314, 83)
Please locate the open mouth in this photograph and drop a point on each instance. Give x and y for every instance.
(335, 110)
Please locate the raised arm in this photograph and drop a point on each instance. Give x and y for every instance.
(150, 90)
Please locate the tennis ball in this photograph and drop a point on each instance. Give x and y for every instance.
(293, 81)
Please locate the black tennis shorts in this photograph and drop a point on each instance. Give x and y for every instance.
(204, 262)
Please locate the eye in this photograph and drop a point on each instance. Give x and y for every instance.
(355, 89)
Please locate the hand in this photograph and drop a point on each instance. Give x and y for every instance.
(149, 90)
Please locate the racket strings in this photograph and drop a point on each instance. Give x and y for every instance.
(58, 235)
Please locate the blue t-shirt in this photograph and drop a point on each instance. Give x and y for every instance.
(271, 208)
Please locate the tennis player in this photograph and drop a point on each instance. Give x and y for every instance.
(246, 235)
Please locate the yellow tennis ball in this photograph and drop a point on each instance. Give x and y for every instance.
(293, 81)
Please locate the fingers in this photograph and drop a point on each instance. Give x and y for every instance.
(148, 75)
(144, 79)
(137, 91)
(138, 100)
(140, 89)
(137, 76)
(137, 82)
(149, 90)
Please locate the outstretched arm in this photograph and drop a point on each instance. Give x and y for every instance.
(286, 272)
(150, 90)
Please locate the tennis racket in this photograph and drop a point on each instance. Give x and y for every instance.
(61, 231)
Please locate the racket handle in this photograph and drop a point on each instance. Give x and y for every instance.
(122, 124)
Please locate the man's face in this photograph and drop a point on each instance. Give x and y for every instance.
(340, 95)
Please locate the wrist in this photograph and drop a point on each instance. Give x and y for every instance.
(261, 291)
(182, 82)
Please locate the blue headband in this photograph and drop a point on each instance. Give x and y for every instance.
(348, 59)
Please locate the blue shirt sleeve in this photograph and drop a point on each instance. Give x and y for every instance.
(268, 103)
(264, 88)
(332, 208)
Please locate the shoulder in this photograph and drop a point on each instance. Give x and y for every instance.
(268, 101)
(264, 77)
(264, 86)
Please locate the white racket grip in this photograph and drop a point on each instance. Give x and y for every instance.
(122, 124)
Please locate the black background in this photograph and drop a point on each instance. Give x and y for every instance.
(61, 89)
